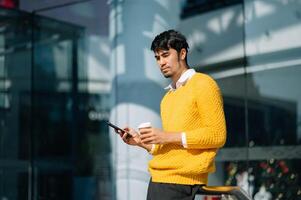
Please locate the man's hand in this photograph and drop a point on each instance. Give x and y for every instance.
(130, 137)
(156, 136)
(153, 136)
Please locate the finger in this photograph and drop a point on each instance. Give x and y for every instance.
(124, 135)
(132, 132)
(145, 130)
(128, 136)
(129, 130)
(147, 135)
(149, 140)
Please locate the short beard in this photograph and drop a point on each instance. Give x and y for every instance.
(167, 76)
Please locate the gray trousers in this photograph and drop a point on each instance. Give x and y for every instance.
(167, 191)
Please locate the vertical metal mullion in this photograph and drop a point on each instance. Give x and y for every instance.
(75, 100)
(246, 106)
(31, 175)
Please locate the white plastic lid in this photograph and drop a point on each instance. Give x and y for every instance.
(145, 125)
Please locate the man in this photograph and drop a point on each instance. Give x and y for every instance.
(193, 125)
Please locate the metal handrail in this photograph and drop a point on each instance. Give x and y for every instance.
(236, 191)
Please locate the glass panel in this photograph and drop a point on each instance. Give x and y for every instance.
(262, 105)
(13, 183)
(233, 92)
(55, 55)
(54, 185)
(72, 102)
(273, 73)
(15, 101)
(53, 125)
(15, 82)
(274, 108)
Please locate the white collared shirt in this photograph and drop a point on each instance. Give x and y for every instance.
(182, 80)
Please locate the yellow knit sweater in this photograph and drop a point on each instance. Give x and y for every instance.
(196, 108)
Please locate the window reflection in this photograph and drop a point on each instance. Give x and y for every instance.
(49, 119)
(266, 178)
(13, 183)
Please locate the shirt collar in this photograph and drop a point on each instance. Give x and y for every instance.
(182, 80)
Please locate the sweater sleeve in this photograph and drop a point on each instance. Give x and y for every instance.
(209, 103)
(154, 149)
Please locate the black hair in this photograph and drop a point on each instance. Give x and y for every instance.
(170, 39)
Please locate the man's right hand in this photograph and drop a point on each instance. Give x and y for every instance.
(131, 137)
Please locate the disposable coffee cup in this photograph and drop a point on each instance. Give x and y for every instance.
(144, 125)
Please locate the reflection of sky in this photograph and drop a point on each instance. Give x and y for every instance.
(93, 15)
(98, 53)
(270, 24)
(217, 36)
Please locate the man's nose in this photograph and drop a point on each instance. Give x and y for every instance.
(162, 62)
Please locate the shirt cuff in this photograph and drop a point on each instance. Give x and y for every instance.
(184, 141)
(152, 149)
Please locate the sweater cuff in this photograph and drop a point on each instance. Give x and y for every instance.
(152, 149)
(184, 140)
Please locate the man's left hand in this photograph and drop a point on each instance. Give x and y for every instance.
(153, 136)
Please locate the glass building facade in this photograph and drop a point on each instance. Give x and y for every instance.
(53, 133)
(59, 84)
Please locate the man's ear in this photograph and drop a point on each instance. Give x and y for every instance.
(183, 53)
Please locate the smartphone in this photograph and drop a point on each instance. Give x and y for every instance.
(118, 128)
(115, 127)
